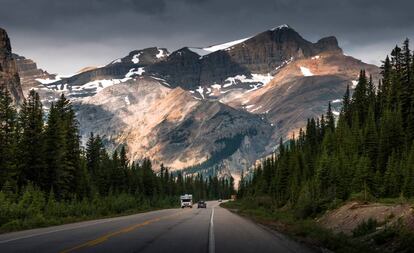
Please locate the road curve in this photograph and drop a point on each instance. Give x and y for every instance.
(209, 230)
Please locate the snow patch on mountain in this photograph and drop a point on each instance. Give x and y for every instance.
(306, 71)
(135, 58)
(280, 27)
(132, 72)
(255, 78)
(264, 79)
(127, 100)
(119, 60)
(224, 45)
(216, 86)
(77, 92)
(161, 54)
(59, 87)
(254, 82)
(198, 50)
(201, 91)
(47, 80)
(284, 63)
(99, 85)
(161, 80)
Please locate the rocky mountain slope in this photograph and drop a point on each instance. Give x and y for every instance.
(9, 77)
(170, 125)
(29, 73)
(225, 105)
(301, 90)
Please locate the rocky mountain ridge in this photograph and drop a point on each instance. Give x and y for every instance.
(9, 77)
(260, 55)
(29, 73)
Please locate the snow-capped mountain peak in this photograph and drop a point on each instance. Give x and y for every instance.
(280, 27)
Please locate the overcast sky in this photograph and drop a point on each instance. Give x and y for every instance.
(63, 36)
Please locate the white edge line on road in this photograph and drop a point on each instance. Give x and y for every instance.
(211, 242)
(88, 223)
(52, 231)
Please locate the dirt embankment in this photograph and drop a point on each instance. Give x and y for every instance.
(346, 218)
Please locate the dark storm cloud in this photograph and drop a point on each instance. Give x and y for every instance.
(64, 35)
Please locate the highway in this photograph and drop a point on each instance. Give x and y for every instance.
(209, 230)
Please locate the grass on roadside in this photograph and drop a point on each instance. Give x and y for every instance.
(305, 230)
(34, 210)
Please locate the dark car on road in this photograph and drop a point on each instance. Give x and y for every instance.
(201, 204)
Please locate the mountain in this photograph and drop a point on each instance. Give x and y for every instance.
(9, 77)
(120, 68)
(171, 126)
(224, 105)
(30, 74)
(259, 56)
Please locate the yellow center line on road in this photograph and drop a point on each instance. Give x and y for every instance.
(105, 237)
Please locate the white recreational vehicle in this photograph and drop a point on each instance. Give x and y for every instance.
(186, 200)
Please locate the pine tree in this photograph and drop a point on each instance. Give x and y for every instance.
(406, 82)
(55, 150)
(72, 144)
(330, 118)
(408, 188)
(363, 177)
(385, 90)
(324, 176)
(63, 150)
(93, 153)
(359, 98)
(30, 156)
(117, 177)
(371, 137)
(8, 137)
(395, 93)
(390, 136)
(148, 178)
(346, 102)
(391, 184)
(123, 160)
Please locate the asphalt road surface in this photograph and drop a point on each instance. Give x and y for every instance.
(209, 230)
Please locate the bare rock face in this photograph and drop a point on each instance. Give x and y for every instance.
(270, 49)
(181, 69)
(9, 77)
(171, 126)
(29, 72)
